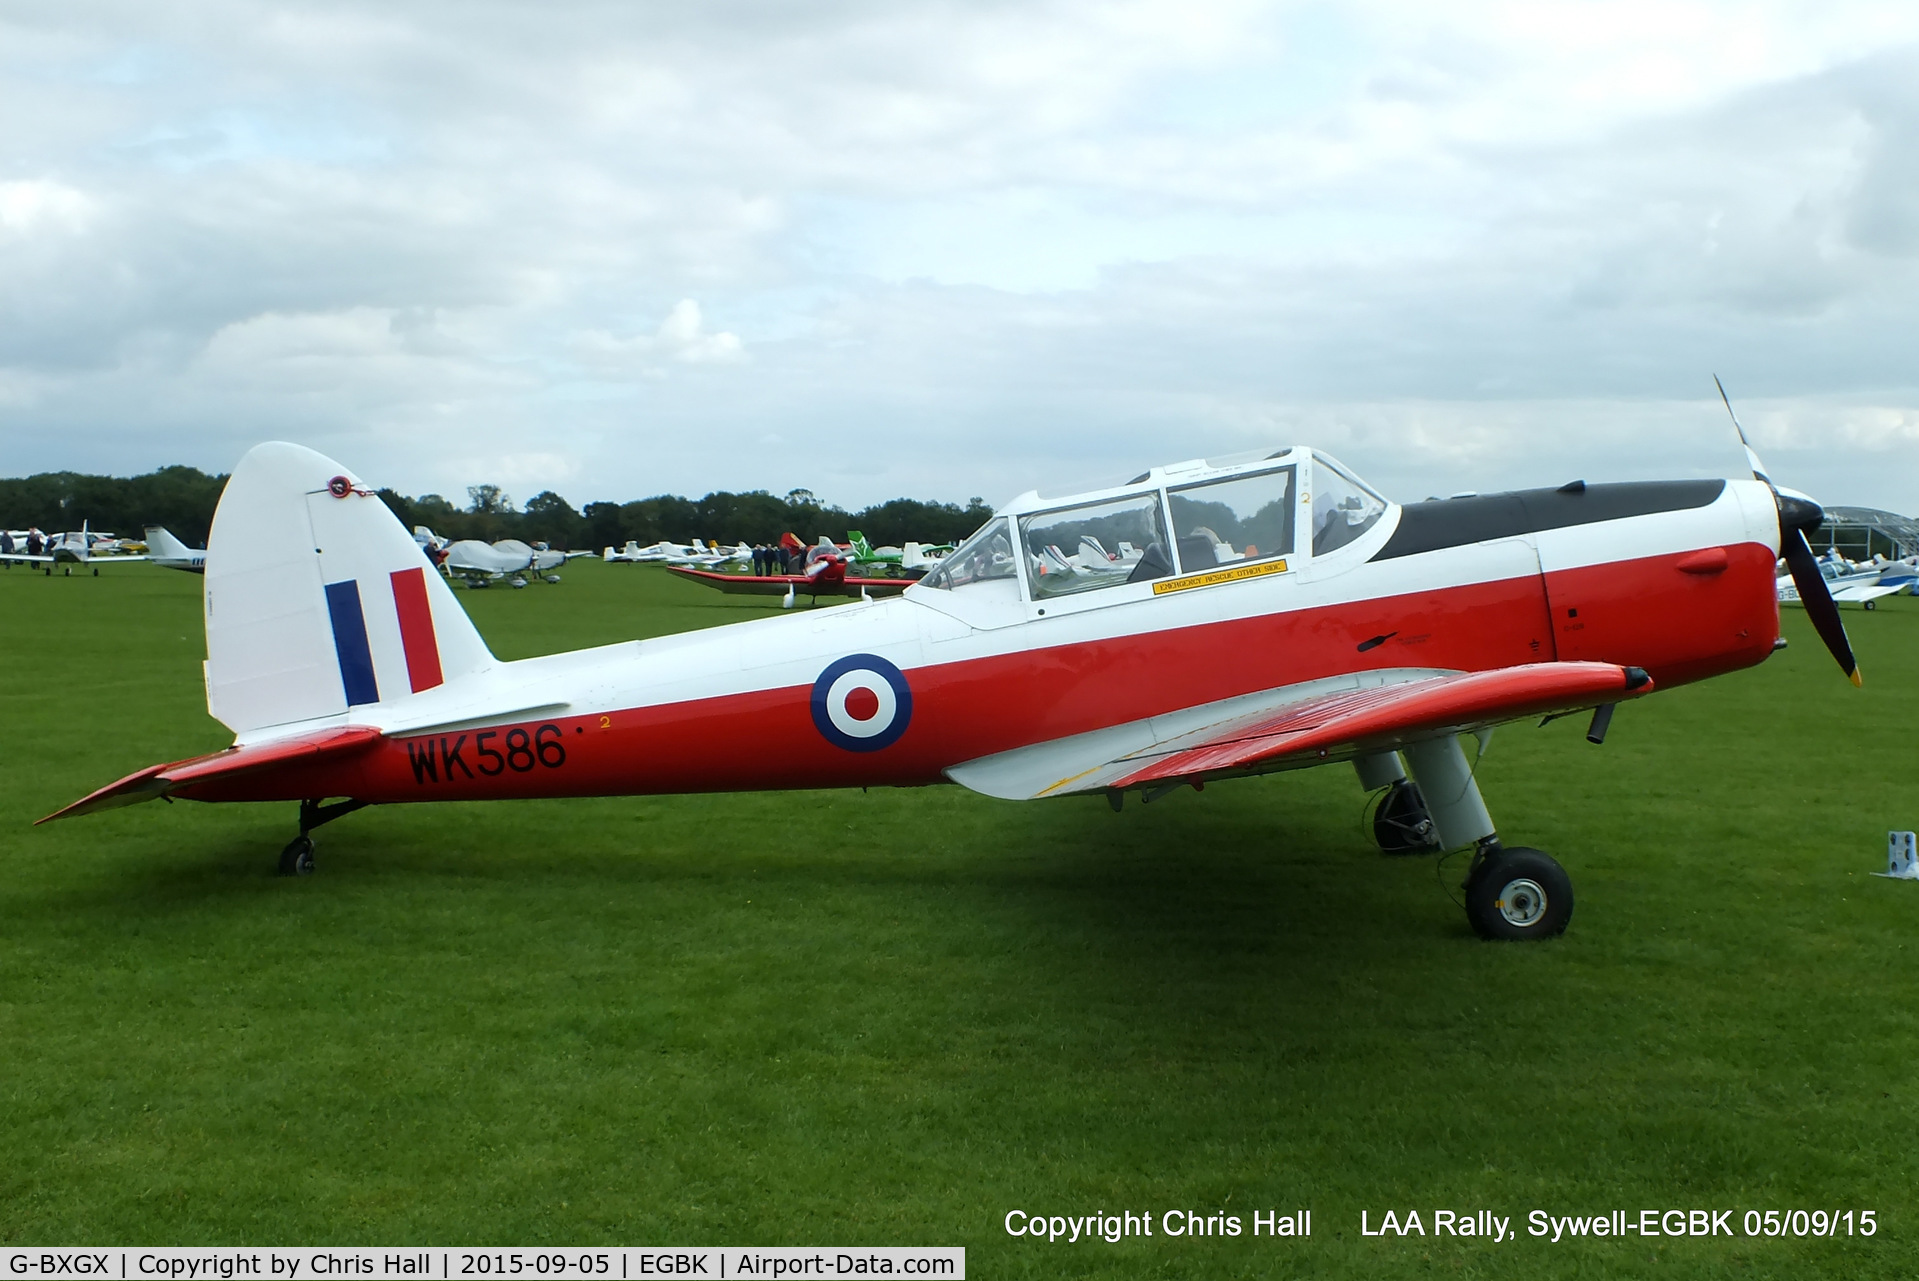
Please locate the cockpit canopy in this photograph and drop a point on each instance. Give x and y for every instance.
(1179, 519)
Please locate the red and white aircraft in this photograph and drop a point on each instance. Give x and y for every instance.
(1281, 615)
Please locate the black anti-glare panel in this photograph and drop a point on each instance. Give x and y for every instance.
(1455, 522)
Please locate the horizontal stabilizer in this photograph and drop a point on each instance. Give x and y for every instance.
(156, 781)
(1283, 733)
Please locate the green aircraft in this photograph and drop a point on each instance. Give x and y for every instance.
(912, 560)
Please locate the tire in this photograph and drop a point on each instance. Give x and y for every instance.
(1519, 894)
(1401, 824)
(297, 858)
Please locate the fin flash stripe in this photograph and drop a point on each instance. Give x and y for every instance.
(350, 643)
(416, 628)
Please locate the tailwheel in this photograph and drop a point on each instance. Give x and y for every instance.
(1517, 894)
(297, 858)
(1401, 824)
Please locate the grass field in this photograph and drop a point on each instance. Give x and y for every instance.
(890, 1018)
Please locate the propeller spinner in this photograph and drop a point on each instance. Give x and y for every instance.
(1799, 514)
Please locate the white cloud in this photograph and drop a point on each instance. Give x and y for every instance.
(1019, 244)
(42, 204)
(681, 337)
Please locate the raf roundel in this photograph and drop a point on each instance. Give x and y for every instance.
(862, 703)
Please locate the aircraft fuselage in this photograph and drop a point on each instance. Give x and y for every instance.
(1674, 578)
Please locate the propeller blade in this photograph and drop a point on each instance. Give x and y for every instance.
(1817, 598)
(1797, 514)
(1752, 459)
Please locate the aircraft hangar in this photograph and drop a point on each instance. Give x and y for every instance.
(1858, 532)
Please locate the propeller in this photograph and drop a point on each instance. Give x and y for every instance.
(1797, 515)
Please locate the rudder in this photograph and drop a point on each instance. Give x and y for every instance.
(318, 600)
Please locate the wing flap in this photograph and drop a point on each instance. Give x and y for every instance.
(157, 781)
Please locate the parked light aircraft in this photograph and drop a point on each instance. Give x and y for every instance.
(1339, 626)
(913, 560)
(1851, 581)
(165, 550)
(78, 547)
(713, 555)
(480, 563)
(826, 574)
(695, 553)
(652, 553)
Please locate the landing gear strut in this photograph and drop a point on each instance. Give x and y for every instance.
(297, 858)
(1516, 893)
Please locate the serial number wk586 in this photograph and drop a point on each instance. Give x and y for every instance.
(446, 759)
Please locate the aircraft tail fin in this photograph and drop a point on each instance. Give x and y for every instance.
(161, 542)
(858, 540)
(318, 600)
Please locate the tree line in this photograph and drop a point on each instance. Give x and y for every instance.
(183, 499)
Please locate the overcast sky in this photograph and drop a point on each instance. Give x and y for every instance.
(942, 250)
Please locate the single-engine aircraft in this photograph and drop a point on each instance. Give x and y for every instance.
(1848, 581)
(480, 563)
(911, 561)
(1334, 626)
(77, 547)
(826, 576)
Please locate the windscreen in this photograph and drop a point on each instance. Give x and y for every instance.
(1343, 507)
(1239, 518)
(984, 558)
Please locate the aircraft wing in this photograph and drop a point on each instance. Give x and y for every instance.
(156, 781)
(23, 556)
(1867, 591)
(1297, 726)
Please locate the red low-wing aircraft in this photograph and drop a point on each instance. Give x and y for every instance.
(1206, 620)
(825, 576)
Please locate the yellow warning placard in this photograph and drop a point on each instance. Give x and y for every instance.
(1230, 574)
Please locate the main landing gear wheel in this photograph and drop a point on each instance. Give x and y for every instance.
(1518, 894)
(297, 858)
(1401, 824)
